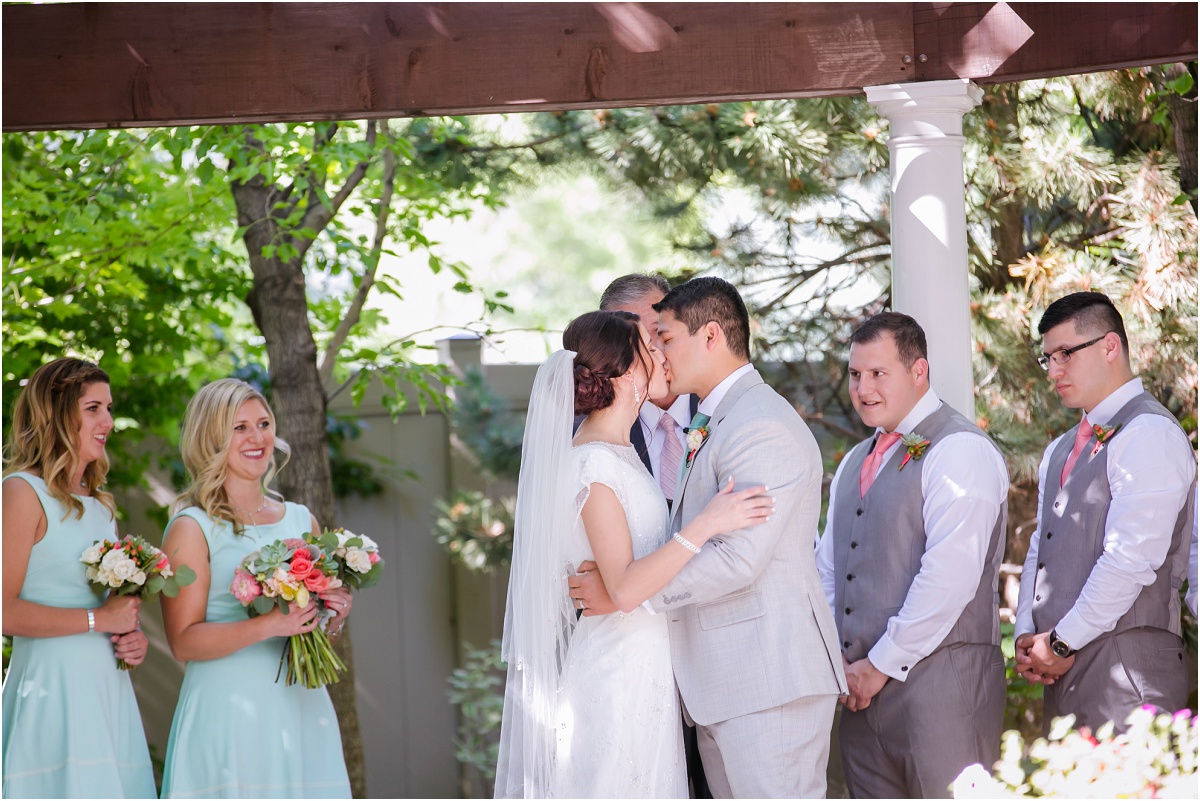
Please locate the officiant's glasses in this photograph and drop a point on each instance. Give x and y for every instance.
(1063, 355)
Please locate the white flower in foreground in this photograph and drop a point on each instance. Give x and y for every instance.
(91, 556)
(976, 782)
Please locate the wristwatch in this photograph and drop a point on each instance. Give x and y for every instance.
(1059, 646)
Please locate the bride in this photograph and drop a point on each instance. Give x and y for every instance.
(590, 708)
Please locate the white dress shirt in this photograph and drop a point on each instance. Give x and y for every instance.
(649, 417)
(1151, 466)
(964, 483)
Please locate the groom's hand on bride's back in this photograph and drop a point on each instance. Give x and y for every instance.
(587, 586)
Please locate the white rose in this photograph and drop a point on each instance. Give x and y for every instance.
(358, 560)
(138, 578)
(125, 569)
(92, 573)
(92, 555)
(113, 581)
(368, 543)
(111, 558)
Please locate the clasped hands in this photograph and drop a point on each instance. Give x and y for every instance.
(1036, 661)
(864, 681)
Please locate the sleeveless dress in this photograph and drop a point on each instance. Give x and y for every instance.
(237, 733)
(619, 726)
(71, 723)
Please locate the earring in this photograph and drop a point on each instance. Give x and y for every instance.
(637, 398)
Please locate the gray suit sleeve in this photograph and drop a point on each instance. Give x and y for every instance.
(763, 452)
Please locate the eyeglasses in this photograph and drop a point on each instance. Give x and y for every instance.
(1063, 355)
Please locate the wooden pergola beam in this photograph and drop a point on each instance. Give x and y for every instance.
(94, 65)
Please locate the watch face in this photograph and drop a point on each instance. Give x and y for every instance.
(1060, 648)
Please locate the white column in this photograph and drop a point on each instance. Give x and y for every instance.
(929, 224)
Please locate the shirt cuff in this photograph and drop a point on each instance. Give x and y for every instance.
(1074, 632)
(889, 659)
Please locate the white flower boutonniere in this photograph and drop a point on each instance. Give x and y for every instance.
(695, 438)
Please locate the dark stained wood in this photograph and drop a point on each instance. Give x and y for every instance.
(1000, 42)
(138, 64)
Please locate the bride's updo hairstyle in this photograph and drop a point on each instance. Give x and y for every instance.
(605, 344)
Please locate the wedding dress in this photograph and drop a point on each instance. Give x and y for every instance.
(590, 706)
(619, 732)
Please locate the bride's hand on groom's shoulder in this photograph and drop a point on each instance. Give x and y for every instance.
(587, 591)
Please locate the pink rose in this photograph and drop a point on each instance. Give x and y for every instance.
(316, 581)
(374, 557)
(163, 563)
(301, 565)
(245, 587)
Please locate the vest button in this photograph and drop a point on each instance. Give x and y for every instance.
(858, 512)
(854, 545)
(1041, 565)
(847, 610)
(849, 577)
(1049, 535)
(1037, 597)
(845, 643)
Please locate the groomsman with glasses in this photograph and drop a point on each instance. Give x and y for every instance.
(659, 437)
(910, 561)
(1098, 613)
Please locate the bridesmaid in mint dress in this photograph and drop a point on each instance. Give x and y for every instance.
(237, 731)
(71, 723)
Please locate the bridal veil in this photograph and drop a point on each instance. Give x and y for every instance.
(538, 619)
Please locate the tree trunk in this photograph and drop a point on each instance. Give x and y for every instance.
(1183, 120)
(279, 303)
(1008, 230)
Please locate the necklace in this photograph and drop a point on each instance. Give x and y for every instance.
(251, 515)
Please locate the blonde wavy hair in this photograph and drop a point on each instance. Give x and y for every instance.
(44, 438)
(207, 435)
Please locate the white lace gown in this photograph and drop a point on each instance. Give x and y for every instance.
(619, 731)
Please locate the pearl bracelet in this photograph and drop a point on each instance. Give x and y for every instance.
(691, 546)
(91, 620)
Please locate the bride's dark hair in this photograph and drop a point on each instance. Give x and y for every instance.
(605, 344)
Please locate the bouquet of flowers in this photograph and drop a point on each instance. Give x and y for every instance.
(357, 558)
(132, 566)
(286, 571)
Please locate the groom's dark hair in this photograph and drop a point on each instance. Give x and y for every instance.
(906, 333)
(711, 300)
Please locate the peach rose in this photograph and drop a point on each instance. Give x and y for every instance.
(301, 565)
(316, 581)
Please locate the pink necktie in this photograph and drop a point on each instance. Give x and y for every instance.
(1082, 435)
(668, 460)
(871, 466)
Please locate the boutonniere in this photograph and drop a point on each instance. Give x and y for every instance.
(1103, 435)
(915, 446)
(695, 438)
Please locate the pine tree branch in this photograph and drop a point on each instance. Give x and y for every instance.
(354, 313)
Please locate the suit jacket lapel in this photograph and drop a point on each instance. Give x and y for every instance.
(639, 443)
(730, 400)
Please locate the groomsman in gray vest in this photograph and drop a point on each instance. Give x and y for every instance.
(910, 561)
(1098, 611)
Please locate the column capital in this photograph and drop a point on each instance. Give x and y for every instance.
(930, 108)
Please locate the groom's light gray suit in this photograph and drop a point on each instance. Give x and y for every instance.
(753, 642)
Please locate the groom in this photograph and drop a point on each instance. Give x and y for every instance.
(753, 643)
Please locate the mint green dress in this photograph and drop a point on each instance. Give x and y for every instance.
(71, 723)
(237, 732)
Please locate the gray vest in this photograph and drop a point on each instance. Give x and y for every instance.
(1072, 538)
(880, 540)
